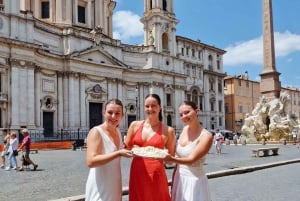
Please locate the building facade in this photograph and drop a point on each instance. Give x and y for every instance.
(241, 96)
(59, 64)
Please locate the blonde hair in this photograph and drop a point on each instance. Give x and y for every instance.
(13, 134)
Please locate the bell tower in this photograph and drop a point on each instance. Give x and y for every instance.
(160, 25)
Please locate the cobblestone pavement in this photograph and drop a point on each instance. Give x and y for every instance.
(63, 173)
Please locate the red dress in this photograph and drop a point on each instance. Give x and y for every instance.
(148, 180)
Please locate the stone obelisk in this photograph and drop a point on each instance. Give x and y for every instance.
(270, 85)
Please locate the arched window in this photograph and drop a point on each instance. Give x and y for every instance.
(165, 5)
(165, 43)
(150, 4)
(195, 96)
(210, 62)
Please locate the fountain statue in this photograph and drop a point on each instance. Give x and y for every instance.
(270, 120)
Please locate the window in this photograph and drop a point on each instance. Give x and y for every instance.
(165, 5)
(220, 106)
(199, 54)
(211, 83)
(212, 108)
(240, 108)
(220, 86)
(218, 65)
(210, 63)
(165, 41)
(240, 82)
(220, 121)
(226, 108)
(169, 100)
(188, 97)
(45, 9)
(187, 51)
(195, 96)
(193, 53)
(182, 51)
(201, 103)
(188, 70)
(193, 71)
(81, 14)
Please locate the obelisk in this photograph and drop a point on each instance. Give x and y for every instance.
(270, 85)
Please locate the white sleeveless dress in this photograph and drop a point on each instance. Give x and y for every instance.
(104, 182)
(190, 182)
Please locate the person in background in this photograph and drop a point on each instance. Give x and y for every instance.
(294, 135)
(25, 148)
(104, 149)
(148, 180)
(5, 141)
(235, 139)
(13, 152)
(219, 139)
(189, 179)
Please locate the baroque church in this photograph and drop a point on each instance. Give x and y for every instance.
(59, 64)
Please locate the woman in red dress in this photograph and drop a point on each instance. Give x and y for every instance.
(148, 180)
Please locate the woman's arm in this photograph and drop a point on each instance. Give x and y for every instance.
(201, 149)
(170, 140)
(94, 155)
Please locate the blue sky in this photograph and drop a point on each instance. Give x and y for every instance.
(232, 25)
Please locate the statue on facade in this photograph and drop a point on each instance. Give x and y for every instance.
(269, 119)
(96, 34)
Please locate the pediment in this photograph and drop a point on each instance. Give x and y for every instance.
(98, 55)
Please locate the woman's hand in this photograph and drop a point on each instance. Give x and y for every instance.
(125, 153)
(168, 158)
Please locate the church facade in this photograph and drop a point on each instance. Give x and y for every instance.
(59, 64)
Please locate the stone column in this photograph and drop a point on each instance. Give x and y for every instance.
(14, 97)
(72, 105)
(89, 13)
(270, 85)
(60, 104)
(82, 104)
(66, 99)
(30, 110)
(37, 94)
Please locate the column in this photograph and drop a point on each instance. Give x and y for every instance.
(89, 13)
(14, 97)
(82, 103)
(30, 100)
(60, 104)
(37, 95)
(66, 99)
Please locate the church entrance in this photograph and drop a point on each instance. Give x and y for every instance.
(95, 111)
(48, 124)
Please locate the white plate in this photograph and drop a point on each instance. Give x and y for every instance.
(149, 152)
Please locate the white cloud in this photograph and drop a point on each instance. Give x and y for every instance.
(127, 25)
(251, 52)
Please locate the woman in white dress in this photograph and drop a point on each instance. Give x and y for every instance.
(189, 179)
(104, 148)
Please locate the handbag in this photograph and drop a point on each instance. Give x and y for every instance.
(15, 152)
